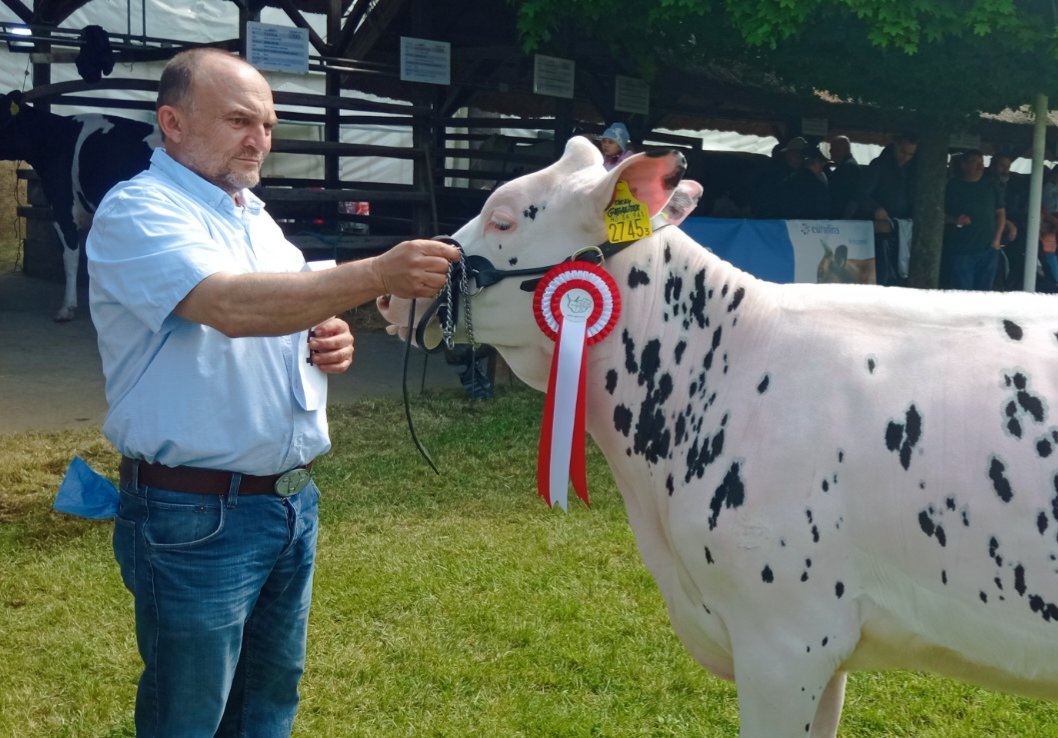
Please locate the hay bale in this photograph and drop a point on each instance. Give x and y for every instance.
(12, 192)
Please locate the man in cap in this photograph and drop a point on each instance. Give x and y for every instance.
(766, 195)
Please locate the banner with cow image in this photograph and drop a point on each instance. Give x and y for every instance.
(791, 250)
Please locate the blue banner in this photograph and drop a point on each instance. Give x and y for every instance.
(791, 250)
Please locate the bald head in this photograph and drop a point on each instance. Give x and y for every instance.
(215, 111)
(174, 87)
(840, 148)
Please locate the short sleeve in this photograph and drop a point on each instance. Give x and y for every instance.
(147, 251)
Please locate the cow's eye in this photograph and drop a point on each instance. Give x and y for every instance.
(500, 221)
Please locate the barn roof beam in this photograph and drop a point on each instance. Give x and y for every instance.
(24, 14)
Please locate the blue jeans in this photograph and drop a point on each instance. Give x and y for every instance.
(222, 587)
(972, 271)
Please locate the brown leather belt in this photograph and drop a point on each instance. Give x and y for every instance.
(213, 481)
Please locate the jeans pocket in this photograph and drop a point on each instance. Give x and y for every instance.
(173, 525)
(125, 551)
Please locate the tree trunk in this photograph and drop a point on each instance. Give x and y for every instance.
(932, 177)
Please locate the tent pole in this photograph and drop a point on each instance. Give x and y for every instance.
(1032, 228)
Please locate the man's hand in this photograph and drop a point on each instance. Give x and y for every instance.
(416, 268)
(331, 346)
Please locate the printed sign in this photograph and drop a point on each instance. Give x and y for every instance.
(424, 60)
(277, 48)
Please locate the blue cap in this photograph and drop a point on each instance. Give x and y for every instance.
(618, 133)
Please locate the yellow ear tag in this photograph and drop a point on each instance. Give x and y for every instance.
(627, 219)
(14, 108)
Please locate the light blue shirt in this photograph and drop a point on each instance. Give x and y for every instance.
(182, 393)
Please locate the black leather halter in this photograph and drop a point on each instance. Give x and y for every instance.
(485, 274)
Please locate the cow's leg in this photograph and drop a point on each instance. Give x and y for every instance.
(828, 714)
(783, 687)
(70, 263)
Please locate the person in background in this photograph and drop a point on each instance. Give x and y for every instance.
(1015, 190)
(615, 145)
(843, 177)
(213, 336)
(974, 218)
(766, 193)
(805, 195)
(886, 193)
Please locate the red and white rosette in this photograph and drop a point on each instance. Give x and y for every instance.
(576, 304)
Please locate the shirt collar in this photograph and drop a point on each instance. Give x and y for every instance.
(201, 189)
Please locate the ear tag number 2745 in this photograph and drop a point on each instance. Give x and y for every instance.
(627, 219)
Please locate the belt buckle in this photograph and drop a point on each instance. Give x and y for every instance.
(292, 481)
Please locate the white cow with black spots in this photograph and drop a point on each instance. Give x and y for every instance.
(821, 478)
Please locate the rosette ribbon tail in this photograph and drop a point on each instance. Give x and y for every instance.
(561, 449)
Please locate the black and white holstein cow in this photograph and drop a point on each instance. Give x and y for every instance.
(78, 159)
(821, 478)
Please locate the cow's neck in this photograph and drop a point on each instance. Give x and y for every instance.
(670, 350)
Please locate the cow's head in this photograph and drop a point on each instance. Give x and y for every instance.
(540, 220)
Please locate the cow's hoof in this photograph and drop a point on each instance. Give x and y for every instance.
(65, 315)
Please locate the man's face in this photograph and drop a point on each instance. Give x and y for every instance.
(905, 152)
(226, 125)
(1001, 166)
(973, 166)
(840, 149)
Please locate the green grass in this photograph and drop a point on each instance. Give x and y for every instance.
(445, 606)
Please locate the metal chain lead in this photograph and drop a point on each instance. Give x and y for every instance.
(464, 288)
(448, 322)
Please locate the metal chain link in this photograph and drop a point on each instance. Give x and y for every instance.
(448, 322)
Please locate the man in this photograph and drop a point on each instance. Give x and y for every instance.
(843, 178)
(974, 219)
(886, 194)
(766, 191)
(202, 309)
(805, 195)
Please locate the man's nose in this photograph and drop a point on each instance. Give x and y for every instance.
(260, 138)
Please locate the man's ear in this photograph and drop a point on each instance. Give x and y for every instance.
(171, 123)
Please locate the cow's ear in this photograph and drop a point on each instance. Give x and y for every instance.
(651, 177)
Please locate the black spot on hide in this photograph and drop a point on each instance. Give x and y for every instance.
(530, 212)
(762, 387)
(736, 299)
(652, 435)
(731, 493)
(1013, 330)
(622, 420)
(611, 381)
(902, 437)
(637, 277)
(766, 575)
(1000, 483)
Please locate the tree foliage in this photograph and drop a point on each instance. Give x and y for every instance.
(944, 58)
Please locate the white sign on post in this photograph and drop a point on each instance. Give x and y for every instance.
(425, 60)
(553, 76)
(815, 127)
(631, 95)
(278, 48)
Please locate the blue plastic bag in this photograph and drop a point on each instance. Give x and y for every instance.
(86, 493)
